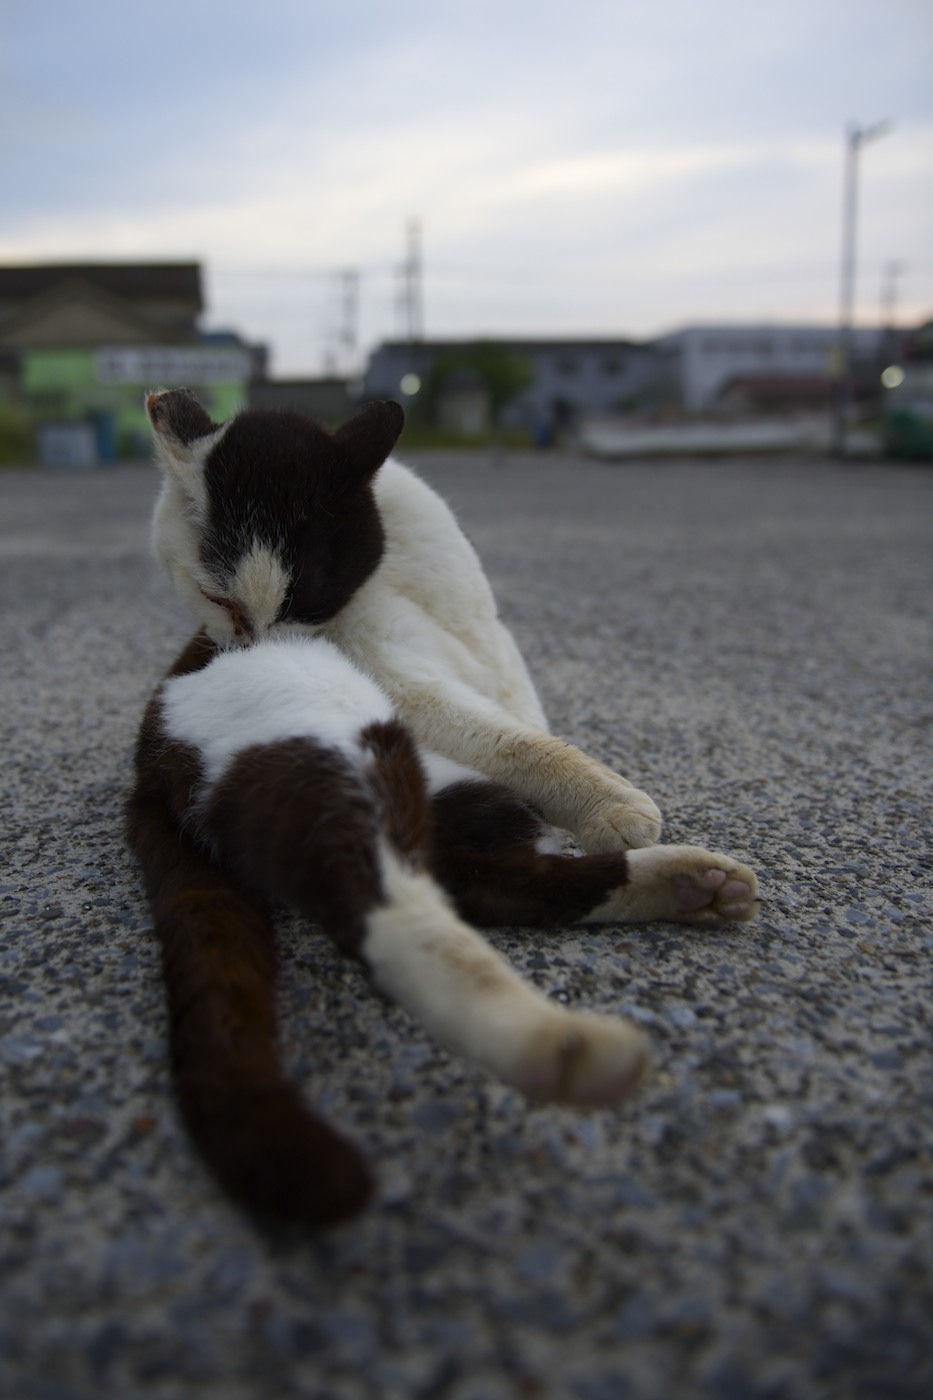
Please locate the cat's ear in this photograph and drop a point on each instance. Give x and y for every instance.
(369, 436)
(184, 433)
(177, 417)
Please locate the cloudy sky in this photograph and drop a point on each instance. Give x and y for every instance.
(597, 167)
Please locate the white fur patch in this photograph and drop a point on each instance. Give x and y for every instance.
(278, 689)
(469, 997)
(427, 620)
(260, 585)
(424, 956)
(441, 772)
(184, 463)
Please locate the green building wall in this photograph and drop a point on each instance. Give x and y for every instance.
(63, 385)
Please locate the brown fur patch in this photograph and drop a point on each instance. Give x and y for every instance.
(195, 656)
(484, 816)
(296, 821)
(485, 857)
(397, 779)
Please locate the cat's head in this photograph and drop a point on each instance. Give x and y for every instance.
(268, 518)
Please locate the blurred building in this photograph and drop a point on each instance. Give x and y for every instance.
(328, 399)
(557, 381)
(730, 370)
(766, 395)
(757, 368)
(81, 343)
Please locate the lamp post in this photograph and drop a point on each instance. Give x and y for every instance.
(856, 138)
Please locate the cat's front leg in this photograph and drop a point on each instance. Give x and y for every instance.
(570, 789)
(619, 817)
(604, 811)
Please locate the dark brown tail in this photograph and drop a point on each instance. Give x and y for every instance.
(260, 1141)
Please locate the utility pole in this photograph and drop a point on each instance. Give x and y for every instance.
(856, 137)
(411, 308)
(411, 297)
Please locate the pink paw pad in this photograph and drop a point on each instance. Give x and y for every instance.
(736, 900)
(734, 891)
(697, 891)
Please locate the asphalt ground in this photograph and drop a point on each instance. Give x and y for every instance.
(747, 640)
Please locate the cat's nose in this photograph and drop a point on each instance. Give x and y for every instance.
(244, 628)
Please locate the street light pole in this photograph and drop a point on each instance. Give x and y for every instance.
(856, 138)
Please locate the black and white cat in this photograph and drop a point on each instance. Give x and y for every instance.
(353, 732)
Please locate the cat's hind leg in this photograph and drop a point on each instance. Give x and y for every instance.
(492, 855)
(424, 956)
(683, 884)
(420, 953)
(350, 845)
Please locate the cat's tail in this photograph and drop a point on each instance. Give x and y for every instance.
(264, 1146)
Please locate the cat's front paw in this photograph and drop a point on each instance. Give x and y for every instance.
(687, 885)
(588, 1061)
(627, 820)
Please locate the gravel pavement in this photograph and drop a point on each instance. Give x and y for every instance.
(749, 641)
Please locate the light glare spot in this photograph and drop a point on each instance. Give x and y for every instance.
(410, 385)
(892, 377)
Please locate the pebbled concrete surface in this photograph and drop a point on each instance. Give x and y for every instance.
(750, 641)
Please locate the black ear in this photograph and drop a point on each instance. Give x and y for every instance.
(369, 436)
(176, 413)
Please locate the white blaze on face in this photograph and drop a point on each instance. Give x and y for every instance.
(260, 586)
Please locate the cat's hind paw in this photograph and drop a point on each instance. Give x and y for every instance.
(715, 896)
(685, 884)
(584, 1060)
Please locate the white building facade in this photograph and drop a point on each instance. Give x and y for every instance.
(697, 363)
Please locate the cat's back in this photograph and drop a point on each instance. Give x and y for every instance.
(279, 688)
